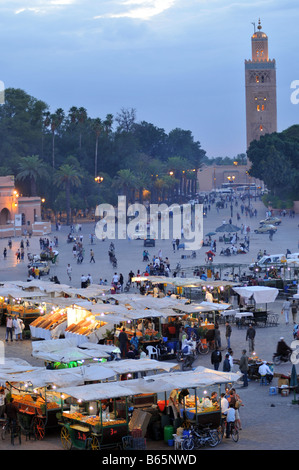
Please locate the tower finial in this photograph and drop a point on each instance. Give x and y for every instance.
(259, 25)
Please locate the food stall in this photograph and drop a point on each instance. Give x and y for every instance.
(253, 295)
(85, 426)
(19, 303)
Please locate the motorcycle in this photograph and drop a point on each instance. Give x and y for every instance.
(278, 359)
(200, 437)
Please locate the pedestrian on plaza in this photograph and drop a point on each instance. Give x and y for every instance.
(4, 252)
(123, 341)
(228, 332)
(69, 271)
(9, 328)
(216, 358)
(250, 336)
(243, 366)
(226, 363)
(173, 245)
(294, 311)
(18, 327)
(121, 282)
(286, 306)
(231, 360)
(92, 260)
(217, 336)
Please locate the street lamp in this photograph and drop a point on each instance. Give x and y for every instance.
(99, 179)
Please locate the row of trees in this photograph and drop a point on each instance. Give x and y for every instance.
(60, 155)
(275, 160)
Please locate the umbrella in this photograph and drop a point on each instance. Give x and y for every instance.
(294, 382)
(210, 234)
(228, 228)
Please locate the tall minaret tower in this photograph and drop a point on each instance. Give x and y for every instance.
(260, 85)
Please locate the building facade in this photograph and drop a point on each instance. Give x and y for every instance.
(260, 88)
(19, 215)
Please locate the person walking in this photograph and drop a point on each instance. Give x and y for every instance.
(92, 260)
(243, 367)
(286, 306)
(69, 271)
(250, 336)
(228, 332)
(216, 358)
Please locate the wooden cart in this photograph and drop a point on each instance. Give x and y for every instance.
(34, 417)
(91, 433)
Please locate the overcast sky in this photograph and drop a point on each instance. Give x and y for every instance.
(179, 63)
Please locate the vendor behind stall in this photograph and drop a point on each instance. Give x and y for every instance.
(173, 402)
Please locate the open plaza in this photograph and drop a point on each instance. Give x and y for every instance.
(269, 420)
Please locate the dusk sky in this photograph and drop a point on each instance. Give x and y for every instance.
(179, 63)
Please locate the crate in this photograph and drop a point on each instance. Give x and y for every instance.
(137, 432)
(139, 443)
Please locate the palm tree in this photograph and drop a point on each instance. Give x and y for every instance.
(32, 168)
(54, 121)
(125, 181)
(67, 177)
(97, 127)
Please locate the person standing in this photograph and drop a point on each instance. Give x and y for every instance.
(226, 363)
(250, 336)
(217, 336)
(286, 306)
(123, 341)
(18, 326)
(9, 326)
(228, 332)
(243, 366)
(294, 311)
(216, 358)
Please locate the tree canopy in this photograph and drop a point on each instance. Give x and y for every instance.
(275, 160)
(136, 157)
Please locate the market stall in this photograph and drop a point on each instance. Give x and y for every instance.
(250, 296)
(88, 418)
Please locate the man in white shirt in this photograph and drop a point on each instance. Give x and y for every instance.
(224, 404)
(265, 371)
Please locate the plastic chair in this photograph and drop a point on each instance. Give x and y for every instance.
(263, 380)
(178, 440)
(152, 352)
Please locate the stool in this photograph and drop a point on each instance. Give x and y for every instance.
(272, 391)
(263, 380)
(177, 441)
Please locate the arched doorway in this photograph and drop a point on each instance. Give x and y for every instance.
(4, 216)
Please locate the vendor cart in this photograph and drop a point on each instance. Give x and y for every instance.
(36, 414)
(92, 432)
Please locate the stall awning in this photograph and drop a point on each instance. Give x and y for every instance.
(200, 377)
(41, 377)
(260, 294)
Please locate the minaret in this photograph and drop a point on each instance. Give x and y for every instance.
(260, 86)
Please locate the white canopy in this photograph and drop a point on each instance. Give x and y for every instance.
(260, 294)
(201, 377)
(66, 350)
(41, 377)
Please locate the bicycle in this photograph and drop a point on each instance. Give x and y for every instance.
(10, 429)
(234, 432)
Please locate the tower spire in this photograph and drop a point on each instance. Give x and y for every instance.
(259, 25)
